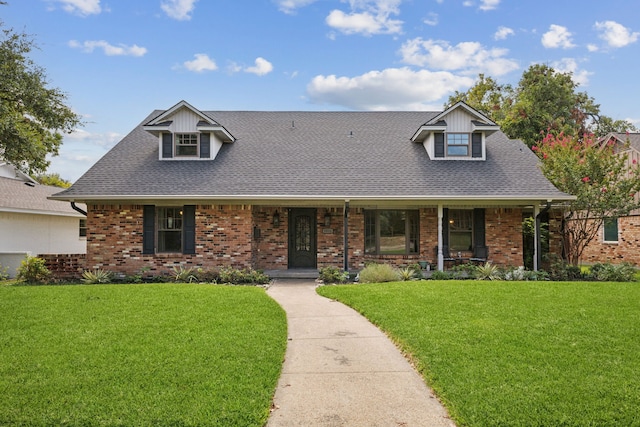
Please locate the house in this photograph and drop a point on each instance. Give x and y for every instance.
(618, 239)
(303, 190)
(31, 223)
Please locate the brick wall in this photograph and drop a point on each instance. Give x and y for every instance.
(503, 228)
(65, 266)
(627, 249)
(114, 240)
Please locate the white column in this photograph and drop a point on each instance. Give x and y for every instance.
(440, 240)
(536, 236)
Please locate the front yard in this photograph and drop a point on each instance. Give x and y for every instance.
(160, 354)
(516, 353)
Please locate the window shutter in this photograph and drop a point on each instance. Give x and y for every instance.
(478, 228)
(439, 144)
(205, 145)
(167, 145)
(445, 230)
(148, 229)
(476, 145)
(189, 229)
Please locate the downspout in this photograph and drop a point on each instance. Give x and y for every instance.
(538, 248)
(75, 208)
(346, 236)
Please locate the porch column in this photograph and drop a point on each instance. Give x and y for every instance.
(440, 240)
(536, 236)
(346, 236)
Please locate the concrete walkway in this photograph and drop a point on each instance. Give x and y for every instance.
(340, 370)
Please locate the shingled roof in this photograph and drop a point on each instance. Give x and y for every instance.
(314, 155)
(29, 197)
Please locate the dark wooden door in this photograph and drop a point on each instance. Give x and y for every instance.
(302, 238)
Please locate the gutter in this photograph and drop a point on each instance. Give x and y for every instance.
(77, 209)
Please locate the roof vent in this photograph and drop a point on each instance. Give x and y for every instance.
(30, 184)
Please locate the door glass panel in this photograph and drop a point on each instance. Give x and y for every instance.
(303, 233)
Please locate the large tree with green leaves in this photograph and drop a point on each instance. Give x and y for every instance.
(604, 184)
(544, 101)
(33, 115)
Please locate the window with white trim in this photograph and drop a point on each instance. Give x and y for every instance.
(391, 232)
(610, 230)
(457, 144)
(186, 144)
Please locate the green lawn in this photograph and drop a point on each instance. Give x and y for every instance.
(516, 353)
(123, 355)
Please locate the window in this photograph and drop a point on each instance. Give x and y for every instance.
(186, 144)
(169, 229)
(392, 232)
(457, 144)
(83, 228)
(610, 229)
(460, 230)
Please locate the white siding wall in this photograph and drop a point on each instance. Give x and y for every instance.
(40, 234)
(184, 121)
(459, 121)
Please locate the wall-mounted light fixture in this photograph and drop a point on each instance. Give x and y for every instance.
(276, 219)
(327, 219)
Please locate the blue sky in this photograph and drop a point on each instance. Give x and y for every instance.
(118, 60)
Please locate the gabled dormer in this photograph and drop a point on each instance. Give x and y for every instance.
(458, 133)
(186, 133)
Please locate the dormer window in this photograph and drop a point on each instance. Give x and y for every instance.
(186, 144)
(457, 144)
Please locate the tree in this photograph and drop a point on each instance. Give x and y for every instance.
(53, 179)
(545, 100)
(33, 115)
(604, 185)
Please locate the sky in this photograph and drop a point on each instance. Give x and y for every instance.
(119, 60)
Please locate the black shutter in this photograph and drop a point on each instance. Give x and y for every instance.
(476, 145)
(445, 231)
(439, 144)
(189, 229)
(478, 228)
(167, 145)
(148, 229)
(205, 145)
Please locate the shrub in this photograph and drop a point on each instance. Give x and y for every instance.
(607, 272)
(92, 277)
(407, 273)
(333, 275)
(236, 276)
(33, 270)
(487, 271)
(183, 275)
(4, 275)
(378, 273)
(441, 275)
(561, 270)
(520, 273)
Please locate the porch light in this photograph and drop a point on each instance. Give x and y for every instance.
(327, 219)
(276, 219)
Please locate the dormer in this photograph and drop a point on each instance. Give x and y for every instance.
(458, 133)
(186, 133)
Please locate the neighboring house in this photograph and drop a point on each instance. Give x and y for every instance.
(304, 190)
(30, 223)
(618, 239)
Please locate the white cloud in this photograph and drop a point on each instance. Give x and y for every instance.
(178, 9)
(261, 67)
(81, 7)
(592, 48)
(108, 49)
(389, 89)
(616, 35)
(106, 140)
(570, 65)
(469, 57)
(367, 17)
(201, 63)
(489, 4)
(290, 6)
(431, 19)
(557, 36)
(502, 33)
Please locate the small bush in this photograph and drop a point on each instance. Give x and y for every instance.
(607, 272)
(407, 273)
(332, 275)
(441, 275)
(561, 270)
(207, 276)
(4, 275)
(183, 275)
(487, 271)
(33, 270)
(93, 277)
(379, 273)
(236, 276)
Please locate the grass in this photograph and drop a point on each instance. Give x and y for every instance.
(516, 353)
(121, 355)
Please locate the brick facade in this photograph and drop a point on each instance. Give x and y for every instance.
(625, 250)
(244, 236)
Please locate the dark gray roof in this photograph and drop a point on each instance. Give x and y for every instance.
(16, 195)
(283, 155)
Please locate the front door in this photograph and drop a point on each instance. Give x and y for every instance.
(302, 238)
